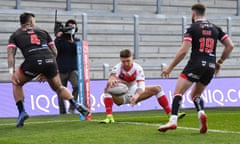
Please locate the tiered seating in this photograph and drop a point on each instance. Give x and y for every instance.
(160, 36)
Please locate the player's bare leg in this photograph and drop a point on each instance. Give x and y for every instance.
(157, 91)
(181, 87)
(160, 95)
(199, 104)
(19, 79)
(108, 101)
(63, 92)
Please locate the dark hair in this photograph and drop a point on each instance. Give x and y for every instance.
(25, 17)
(199, 9)
(125, 53)
(70, 21)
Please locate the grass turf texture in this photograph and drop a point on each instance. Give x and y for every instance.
(130, 128)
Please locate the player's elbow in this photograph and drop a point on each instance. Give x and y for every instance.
(182, 54)
(141, 86)
(228, 44)
(231, 46)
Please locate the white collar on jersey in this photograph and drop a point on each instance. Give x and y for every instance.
(202, 19)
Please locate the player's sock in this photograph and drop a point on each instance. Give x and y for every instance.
(20, 106)
(72, 102)
(108, 102)
(163, 101)
(198, 102)
(177, 100)
(202, 117)
(80, 107)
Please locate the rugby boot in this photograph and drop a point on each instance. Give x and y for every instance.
(21, 118)
(202, 118)
(82, 109)
(108, 119)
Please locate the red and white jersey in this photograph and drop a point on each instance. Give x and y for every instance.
(134, 75)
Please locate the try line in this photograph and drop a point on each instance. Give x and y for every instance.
(129, 123)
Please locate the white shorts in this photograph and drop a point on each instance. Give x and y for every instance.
(129, 94)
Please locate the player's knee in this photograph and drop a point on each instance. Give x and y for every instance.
(105, 90)
(118, 100)
(157, 89)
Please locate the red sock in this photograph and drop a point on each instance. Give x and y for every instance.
(163, 101)
(108, 101)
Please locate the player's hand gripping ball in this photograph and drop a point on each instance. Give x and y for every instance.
(118, 90)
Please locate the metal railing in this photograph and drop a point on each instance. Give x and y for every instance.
(136, 32)
(115, 4)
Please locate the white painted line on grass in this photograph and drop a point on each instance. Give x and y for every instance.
(186, 128)
(130, 123)
(41, 122)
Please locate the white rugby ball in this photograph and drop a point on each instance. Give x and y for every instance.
(118, 90)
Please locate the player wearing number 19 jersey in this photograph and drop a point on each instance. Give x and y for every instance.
(39, 53)
(202, 36)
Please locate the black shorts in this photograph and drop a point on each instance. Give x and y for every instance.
(199, 71)
(34, 65)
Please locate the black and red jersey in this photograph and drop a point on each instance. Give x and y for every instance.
(31, 41)
(204, 36)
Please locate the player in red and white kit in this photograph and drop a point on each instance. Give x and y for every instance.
(129, 72)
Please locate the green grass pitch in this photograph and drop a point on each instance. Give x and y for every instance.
(130, 128)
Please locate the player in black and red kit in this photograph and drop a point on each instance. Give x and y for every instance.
(39, 53)
(202, 36)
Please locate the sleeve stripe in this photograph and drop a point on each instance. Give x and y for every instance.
(11, 45)
(188, 39)
(51, 43)
(224, 37)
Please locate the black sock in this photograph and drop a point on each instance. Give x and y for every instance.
(72, 101)
(177, 100)
(198, 102)
(20, 106)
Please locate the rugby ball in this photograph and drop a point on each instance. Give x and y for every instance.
(118, 89)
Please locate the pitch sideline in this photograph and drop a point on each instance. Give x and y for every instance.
(179, 127)
(129, 123)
